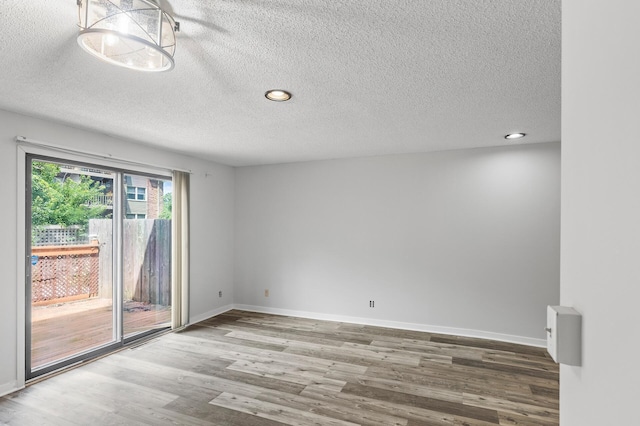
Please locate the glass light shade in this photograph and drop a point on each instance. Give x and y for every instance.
(135, 34)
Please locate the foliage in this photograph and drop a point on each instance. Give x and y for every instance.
(167, 201)
(62, 201)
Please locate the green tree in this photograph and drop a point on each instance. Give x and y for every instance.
(60, 201)
(167, 200)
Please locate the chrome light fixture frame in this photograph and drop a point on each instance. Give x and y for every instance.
(142, 34)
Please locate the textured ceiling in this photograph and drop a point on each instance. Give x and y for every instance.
(368, 77)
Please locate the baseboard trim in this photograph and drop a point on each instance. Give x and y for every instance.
(211, 313)
(399, 325)
(7, 388)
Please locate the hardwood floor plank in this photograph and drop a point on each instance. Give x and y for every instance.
(288, 374)
(427, 348)
(447, 407)
(159, 416)
(112, 393)
(451, 379)
(277, 339)
(481, 375)
(198, 363)
(539, 373)
(378, 353)
(222, 416)
(276, 412)
(334, 409)
(502, 405)
(41, 407)
(183, 375)
(514, 419)
(235, 352)
(222, 335)
(259, 381)
(415, 415)
(425, 352)
(280, 333)
(127, 373)
(291, 323)
(549, 392)
(413, 389)
(327, 334)
(520, 360)
(385, 332)
(344, 355)
(488, 344)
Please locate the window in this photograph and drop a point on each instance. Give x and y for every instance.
(136, 193)
(136, 216)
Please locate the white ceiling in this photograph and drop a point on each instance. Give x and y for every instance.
(368, 77)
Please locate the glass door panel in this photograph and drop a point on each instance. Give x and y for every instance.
(98, 261)
(71, 265)
(146, 244)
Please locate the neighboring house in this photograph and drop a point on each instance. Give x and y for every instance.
(143, 195)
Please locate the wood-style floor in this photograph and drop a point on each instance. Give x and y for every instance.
(243, 368)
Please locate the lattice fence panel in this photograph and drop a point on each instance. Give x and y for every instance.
(58, 236)
(64, 272)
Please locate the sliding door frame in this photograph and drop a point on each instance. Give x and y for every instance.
(26, 155)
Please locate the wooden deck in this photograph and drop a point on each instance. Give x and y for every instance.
(242, 369)
(59, 331)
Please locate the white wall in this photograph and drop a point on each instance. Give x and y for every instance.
(601, 208)
(212, 200)
(461, 241)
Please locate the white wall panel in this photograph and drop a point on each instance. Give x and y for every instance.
(601, 208)
(464, 239)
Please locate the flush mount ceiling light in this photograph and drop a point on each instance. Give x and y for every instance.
(277, 95)
(135, 34)
(515, 136)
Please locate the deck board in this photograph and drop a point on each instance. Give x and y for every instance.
(60, 331)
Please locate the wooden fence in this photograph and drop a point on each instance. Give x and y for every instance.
(146, 259)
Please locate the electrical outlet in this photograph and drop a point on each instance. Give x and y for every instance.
(220, 293)
(372, 303)
(266, 292)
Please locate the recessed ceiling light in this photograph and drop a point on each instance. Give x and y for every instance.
(277, 95)
(515, 135)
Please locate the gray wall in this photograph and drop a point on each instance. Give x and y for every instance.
(601, 208)
(465, 240)
(461, 241)
(211, 215)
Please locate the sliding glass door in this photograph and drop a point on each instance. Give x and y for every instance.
(98, 260)
(72, 305)
(146, 246)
